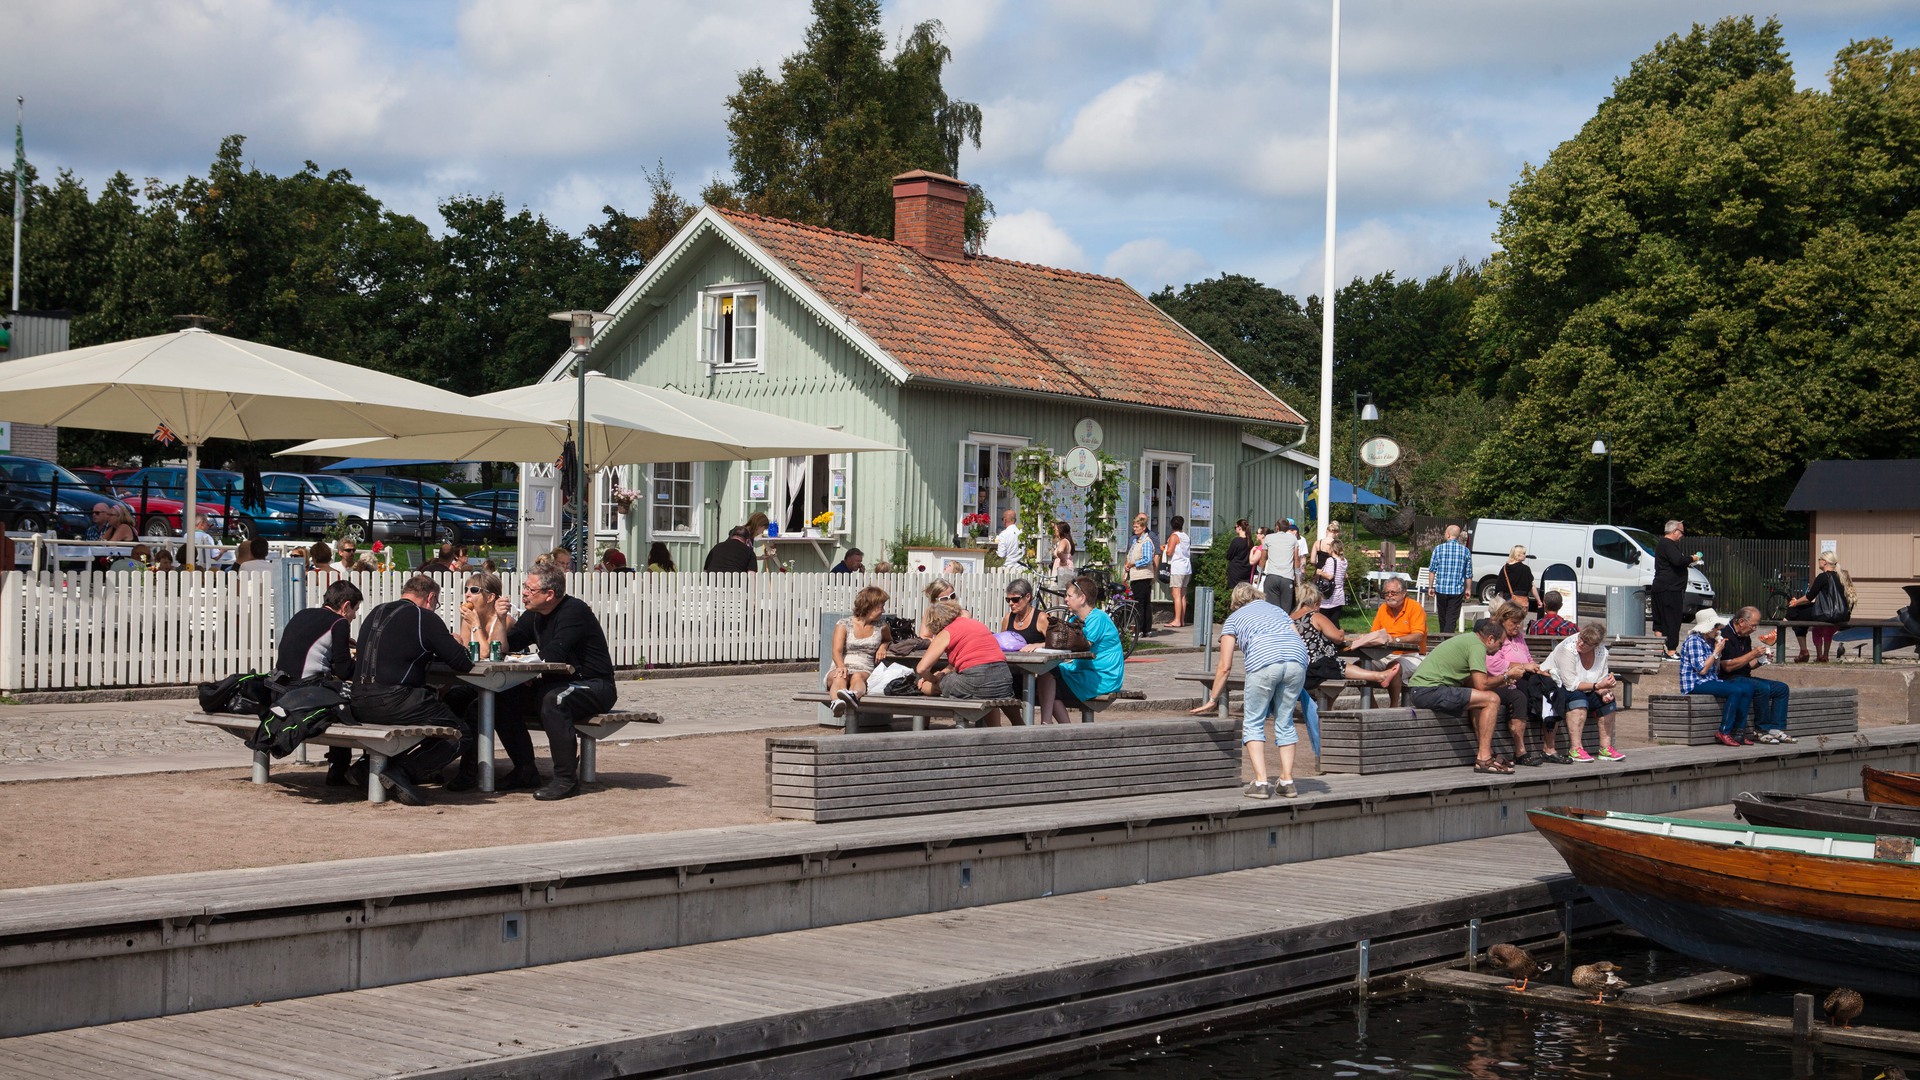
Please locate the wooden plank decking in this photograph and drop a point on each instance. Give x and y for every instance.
(868, 997)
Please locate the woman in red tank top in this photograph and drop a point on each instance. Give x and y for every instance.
(976, 667)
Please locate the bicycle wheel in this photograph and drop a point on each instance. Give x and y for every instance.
(1776, 607)
(1126, 619)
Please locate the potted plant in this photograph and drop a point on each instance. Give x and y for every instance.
(976, 525)
(819, 525)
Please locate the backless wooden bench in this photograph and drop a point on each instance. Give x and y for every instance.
(1693, 719)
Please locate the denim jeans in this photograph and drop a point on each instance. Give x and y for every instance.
(1737, 694)
(1274, 689)
(1769, 701)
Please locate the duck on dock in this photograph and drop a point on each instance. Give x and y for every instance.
(1599, 978)
(1518, 963)
(1842, 1006)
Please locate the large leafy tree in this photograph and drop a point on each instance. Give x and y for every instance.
(1718, 272)
(1407, 341)
(629, 242)
(822, 141)
(1264, 331)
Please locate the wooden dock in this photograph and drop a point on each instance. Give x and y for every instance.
(926, 991)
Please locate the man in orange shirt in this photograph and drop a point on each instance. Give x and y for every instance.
(1405, 622)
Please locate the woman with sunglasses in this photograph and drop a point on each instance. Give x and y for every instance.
(485, 615)
(938, 590)
(1024, 617)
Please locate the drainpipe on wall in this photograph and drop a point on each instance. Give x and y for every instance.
(1240, 479)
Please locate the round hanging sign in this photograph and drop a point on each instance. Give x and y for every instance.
(1380, 452)
(1081, 466)
(1088, 433)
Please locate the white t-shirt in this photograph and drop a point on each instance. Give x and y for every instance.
(1281, 548)
(1007, 544)
(255, 565)
(1182, 561)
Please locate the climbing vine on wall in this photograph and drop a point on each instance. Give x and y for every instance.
(1103, 498)
(1034, 470)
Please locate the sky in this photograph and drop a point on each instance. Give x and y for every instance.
(1160, 141)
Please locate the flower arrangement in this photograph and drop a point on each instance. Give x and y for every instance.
(821, 520)
(624, 498)
(975, 524)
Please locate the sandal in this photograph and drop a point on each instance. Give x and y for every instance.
(1492, 765)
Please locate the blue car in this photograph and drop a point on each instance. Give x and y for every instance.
(275, 518)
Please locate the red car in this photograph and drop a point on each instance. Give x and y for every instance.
(155, 514)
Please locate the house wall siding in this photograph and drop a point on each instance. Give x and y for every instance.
(812, 374)
(1879, 548)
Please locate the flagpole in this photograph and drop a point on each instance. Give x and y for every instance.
(19, 189)
(1324, 490)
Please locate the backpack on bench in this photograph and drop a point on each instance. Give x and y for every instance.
(248, 694)
(301, 711)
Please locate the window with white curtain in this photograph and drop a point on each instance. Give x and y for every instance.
(732, 325)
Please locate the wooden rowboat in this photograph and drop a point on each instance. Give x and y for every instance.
(1826, 813)
(1834, 908)
(1898, 788)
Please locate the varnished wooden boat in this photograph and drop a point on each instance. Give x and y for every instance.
(1826, 813)
(1898, 788)
(1836, 908)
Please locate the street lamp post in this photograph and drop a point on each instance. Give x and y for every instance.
(580, 328)
(1601, 448)
(1369, 414)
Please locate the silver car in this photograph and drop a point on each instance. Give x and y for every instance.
(336, 496)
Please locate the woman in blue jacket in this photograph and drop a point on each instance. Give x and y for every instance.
(1076, 681)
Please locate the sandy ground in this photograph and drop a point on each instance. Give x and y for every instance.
(161, 823)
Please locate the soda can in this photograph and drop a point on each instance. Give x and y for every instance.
(473, 650)
(499, 650)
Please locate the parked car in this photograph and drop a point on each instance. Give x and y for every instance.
(1594, 556)
(39, 496)
(475, 523)
(340, 497)
(275, 518)
(156, 514)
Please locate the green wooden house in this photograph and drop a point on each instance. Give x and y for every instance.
(957, 359)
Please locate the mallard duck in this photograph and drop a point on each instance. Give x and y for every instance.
(1894, 1072)
(1599, 978)
(1842, 1006)
(1518, 963)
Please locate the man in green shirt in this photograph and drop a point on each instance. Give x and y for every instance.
(1453, 679)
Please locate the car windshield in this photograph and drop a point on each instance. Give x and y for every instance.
(24, 471)
(216, 481)
(1638, 537)
(336, 485)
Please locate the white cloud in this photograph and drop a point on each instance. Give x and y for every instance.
(1032, 236)
(1149, 263)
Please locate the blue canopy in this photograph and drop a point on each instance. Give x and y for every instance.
(1342, 492)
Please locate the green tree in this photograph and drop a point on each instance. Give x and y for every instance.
(822, 142)
(629, 242)
(1265, 332)
(1406, 341)
(1718, 272)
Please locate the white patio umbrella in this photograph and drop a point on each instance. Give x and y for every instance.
(627, 424)
(201, 385)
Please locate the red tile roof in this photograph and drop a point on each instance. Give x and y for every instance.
(999, 324)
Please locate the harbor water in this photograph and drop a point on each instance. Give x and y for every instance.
(1425, 1034)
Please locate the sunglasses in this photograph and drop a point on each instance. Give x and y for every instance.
(951, 596)
(1015, 599)
(471, 589)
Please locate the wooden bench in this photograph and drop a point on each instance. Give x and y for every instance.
(829, 778)
(1324, 695)
(604, 726)
(1401, 740)
(378, 741)
(962, 711)
(1693, 719)
(1093, 706)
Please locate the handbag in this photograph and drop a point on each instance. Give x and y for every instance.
(1066, 635)
(1831, 605)
(892, 680)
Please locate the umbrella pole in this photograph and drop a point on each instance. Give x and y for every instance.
(190, 500)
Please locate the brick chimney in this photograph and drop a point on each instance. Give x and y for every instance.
(930, 214)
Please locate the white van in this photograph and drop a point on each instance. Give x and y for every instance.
(1592, 556)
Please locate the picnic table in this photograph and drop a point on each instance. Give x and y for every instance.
(1879, 627)
(1032, 664)
(491, 677)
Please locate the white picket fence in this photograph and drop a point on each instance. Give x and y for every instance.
(75, 630)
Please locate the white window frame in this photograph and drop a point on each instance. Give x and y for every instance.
(1200, 486)
(816, 490)
(606, 520)
(970, 448)
(1179, 499)
(713, 348)
(650, 491)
